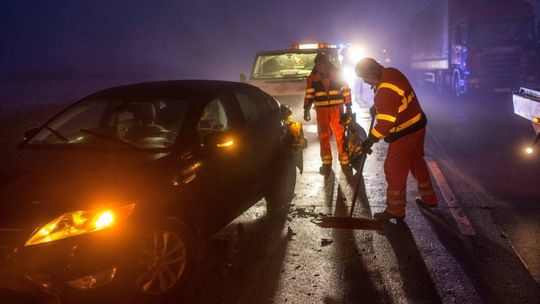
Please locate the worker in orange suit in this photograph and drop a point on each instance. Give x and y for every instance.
(328, 91)
(402, 123)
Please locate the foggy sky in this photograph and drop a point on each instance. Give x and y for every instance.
(179, 39)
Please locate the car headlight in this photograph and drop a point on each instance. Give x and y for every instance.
(76, 223)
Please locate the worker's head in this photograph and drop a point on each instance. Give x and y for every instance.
(321, 62)
(369, 70)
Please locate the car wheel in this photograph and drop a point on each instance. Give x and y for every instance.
(280, 190)
(165, 261)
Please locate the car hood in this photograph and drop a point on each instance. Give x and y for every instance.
(39, 185)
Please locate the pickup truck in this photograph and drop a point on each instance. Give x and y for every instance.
(527, 105)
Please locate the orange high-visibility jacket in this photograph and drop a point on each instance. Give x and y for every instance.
(326, 91)
(398, 110)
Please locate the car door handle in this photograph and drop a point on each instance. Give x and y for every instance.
(186, 155)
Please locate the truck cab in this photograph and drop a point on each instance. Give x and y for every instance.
(489, 46)
(283, 73)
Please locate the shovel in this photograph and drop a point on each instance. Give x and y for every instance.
(350, 222)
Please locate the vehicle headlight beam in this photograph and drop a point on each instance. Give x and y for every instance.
(76, 223)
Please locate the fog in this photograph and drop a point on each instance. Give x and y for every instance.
(178, 39)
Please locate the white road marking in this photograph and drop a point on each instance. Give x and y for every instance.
(461, 219)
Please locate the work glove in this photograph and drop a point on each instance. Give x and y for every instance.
(348, 110)
(307, 115)
(373, 111)
(366, 146)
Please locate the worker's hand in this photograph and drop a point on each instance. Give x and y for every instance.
(373, 111)
(348, 110)
(366, 146)
(307, 115)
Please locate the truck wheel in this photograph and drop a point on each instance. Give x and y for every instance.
(280, 189)
(439, 82)
(456, 84)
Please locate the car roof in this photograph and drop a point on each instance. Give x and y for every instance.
(182, 89)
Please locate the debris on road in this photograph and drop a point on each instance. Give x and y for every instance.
(326, 242)
(290, 233)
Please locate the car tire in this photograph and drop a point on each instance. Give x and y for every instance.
(165, 261)
(280, 190)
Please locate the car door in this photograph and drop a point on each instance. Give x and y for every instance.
(261, 128)
(223, 160)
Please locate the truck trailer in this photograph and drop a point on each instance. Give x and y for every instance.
(461, 45)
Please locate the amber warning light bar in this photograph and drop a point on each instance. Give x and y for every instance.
(313, 46)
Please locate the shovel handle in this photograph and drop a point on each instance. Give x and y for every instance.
(360, 171)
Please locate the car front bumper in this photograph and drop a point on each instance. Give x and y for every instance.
(65, 268)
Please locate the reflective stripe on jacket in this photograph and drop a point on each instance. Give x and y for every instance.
(326, 91)
(398, 110)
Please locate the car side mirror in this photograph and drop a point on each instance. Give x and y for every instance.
(29, 133)
(285, 112)
(243, 77)
(219, 142)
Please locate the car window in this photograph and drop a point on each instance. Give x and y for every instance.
(249, 105)
(101, 122)
(214, 118)
(255, 105)
(271, 105)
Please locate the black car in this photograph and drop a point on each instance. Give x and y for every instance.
(121, 186)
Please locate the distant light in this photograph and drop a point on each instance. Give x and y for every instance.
(529, 150)
(357, 53)
(536, 119)
(350, 75)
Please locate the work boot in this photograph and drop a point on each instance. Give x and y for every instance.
(422, 203)
(346, 168)
(385, 216)
(325, 169)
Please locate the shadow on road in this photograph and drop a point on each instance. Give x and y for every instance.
(357, 282)
(417, 282)
(362, 283)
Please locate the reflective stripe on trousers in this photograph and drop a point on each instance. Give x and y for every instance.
(328, 124)
(407, 155)
(395, 201)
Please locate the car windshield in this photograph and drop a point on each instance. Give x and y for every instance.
(147, 124)
(284, 65)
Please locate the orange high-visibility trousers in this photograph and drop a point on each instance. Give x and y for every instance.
(404, 155)
(328, 123)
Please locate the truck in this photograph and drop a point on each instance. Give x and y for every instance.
(527, 105)
(464, 45)
(282, 73)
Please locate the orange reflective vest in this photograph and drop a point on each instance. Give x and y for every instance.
(326, 91)
(398, 110)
